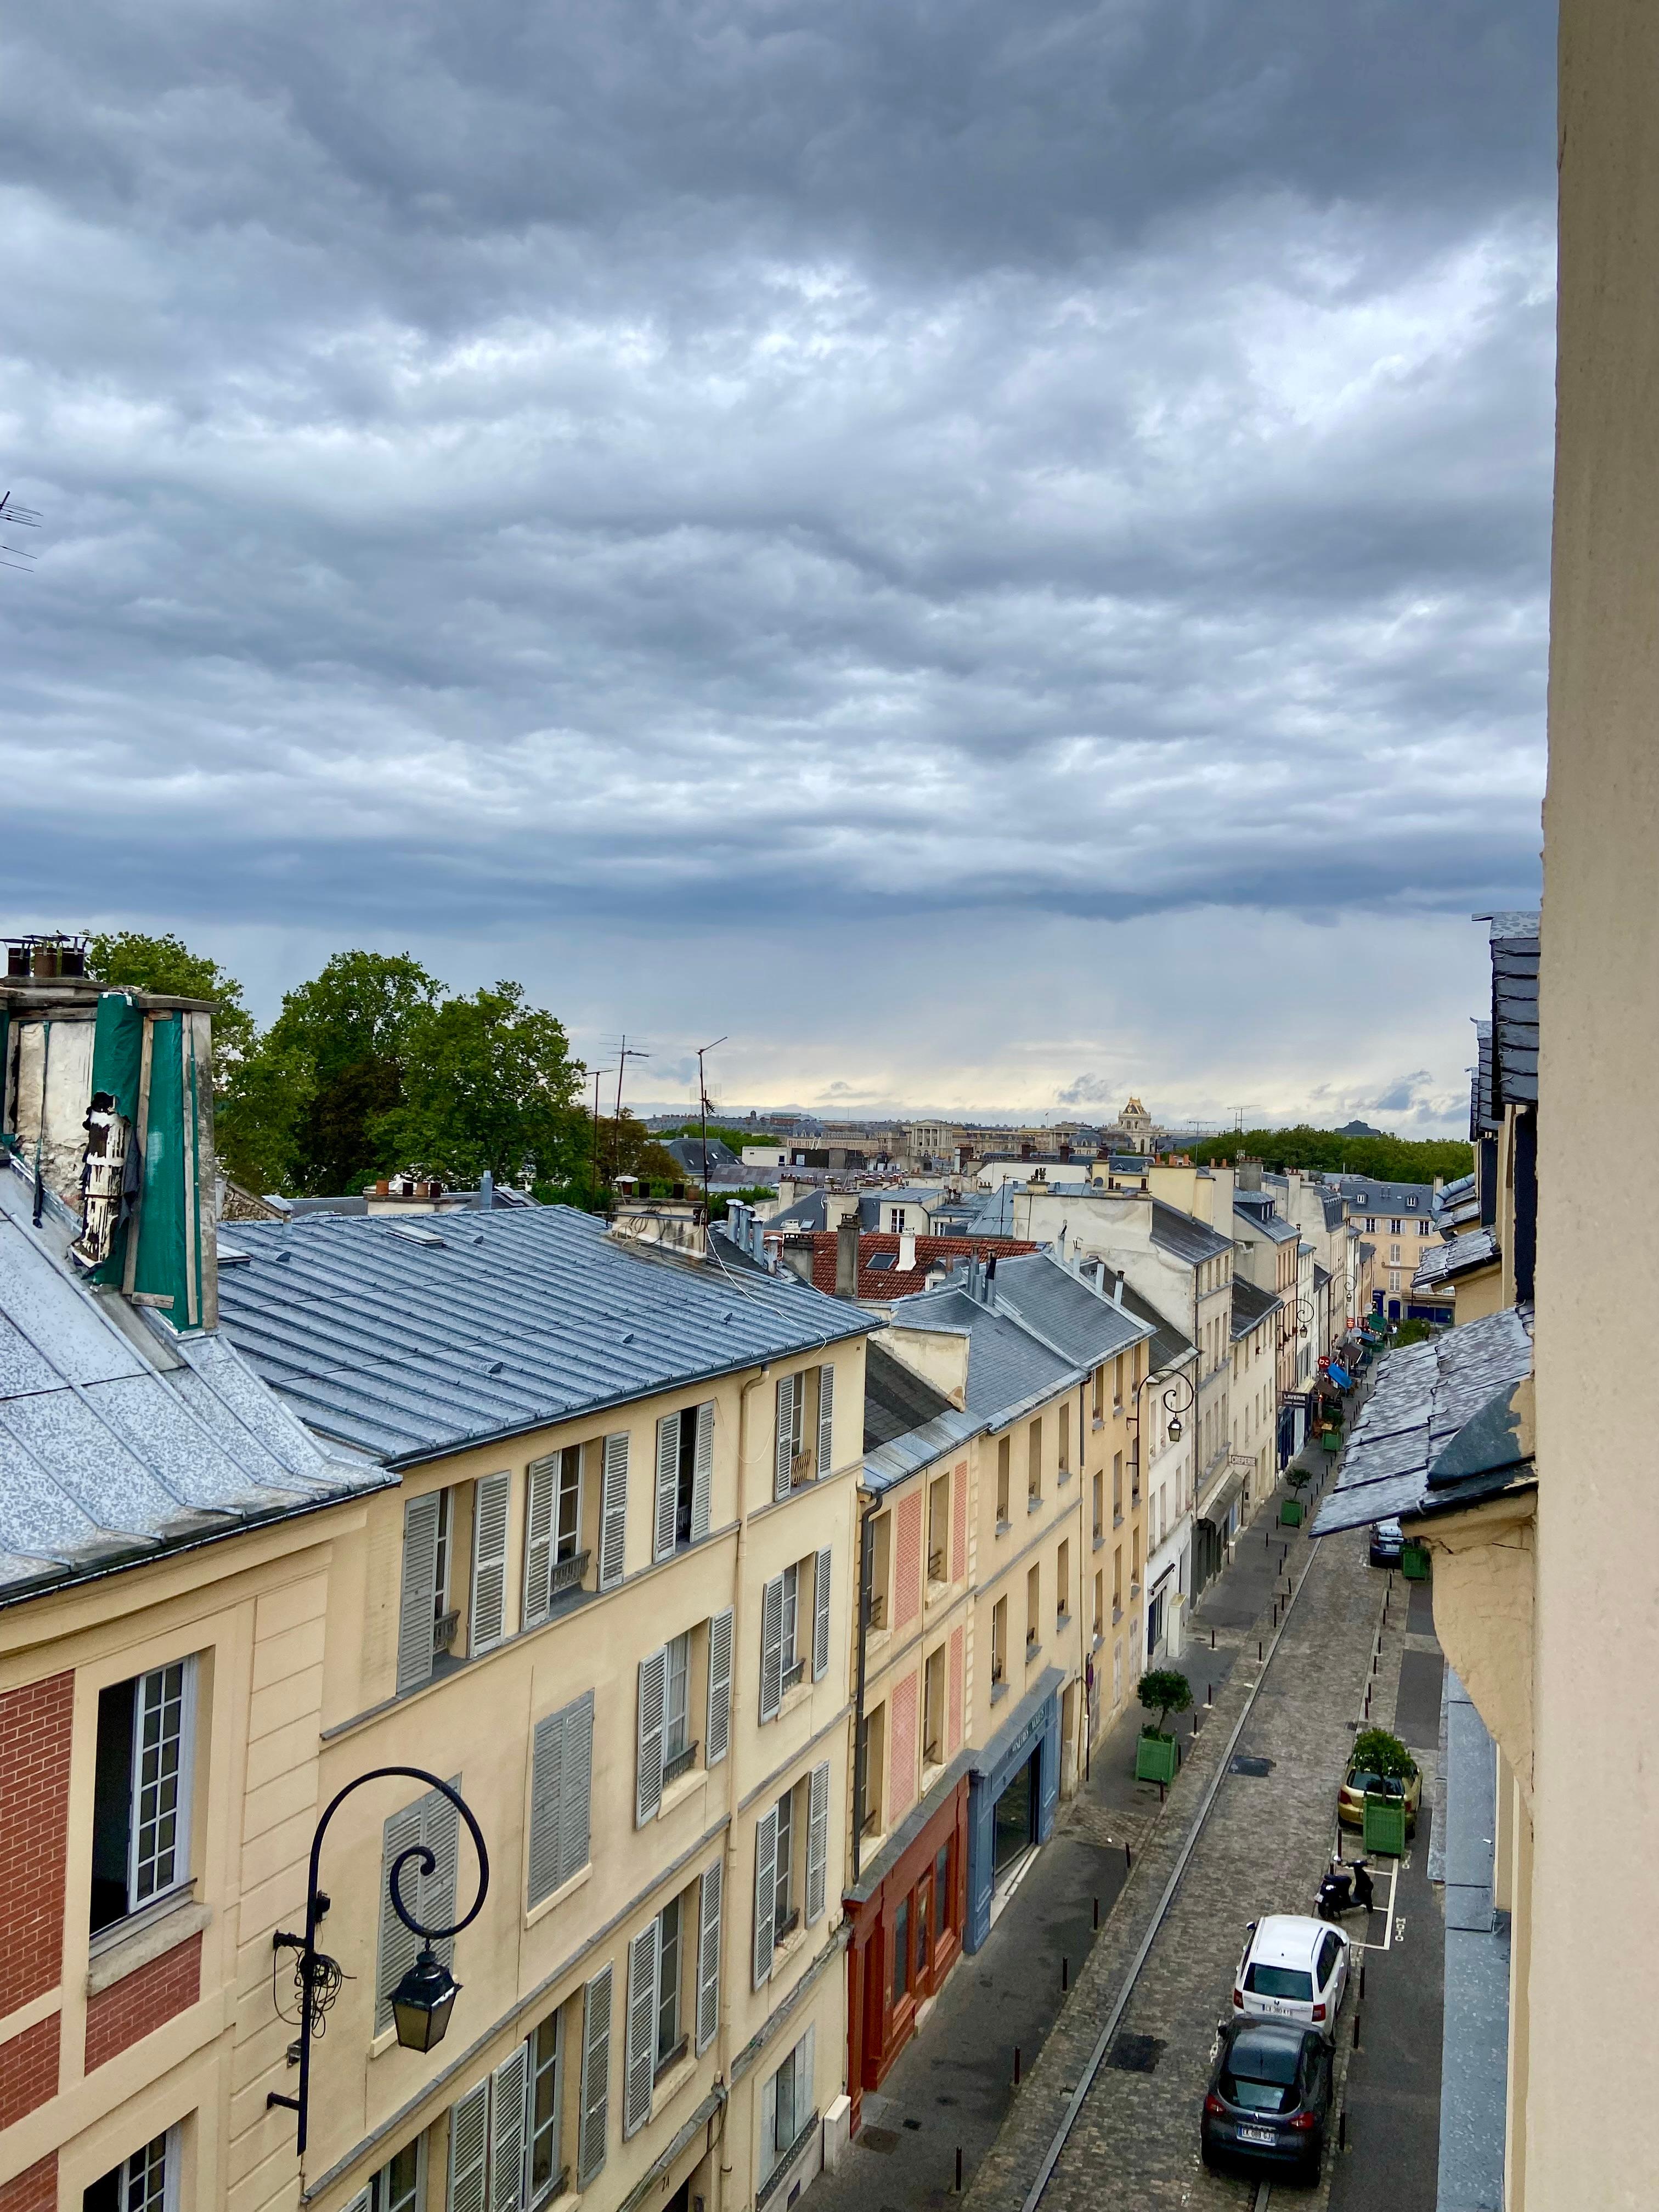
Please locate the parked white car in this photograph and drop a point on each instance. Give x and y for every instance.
(1293, 1968)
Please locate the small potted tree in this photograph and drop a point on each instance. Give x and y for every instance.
(1393, 1789)
(1163, 1691)
(1291, 1509)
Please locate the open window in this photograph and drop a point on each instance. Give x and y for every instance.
(141, 1815)
(148, 2181)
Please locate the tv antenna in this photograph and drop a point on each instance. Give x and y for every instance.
(702, 1105)
(18, 518)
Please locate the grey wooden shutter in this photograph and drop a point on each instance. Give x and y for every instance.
(818, 1840)
(398, 1944)
(703, 1472)
(639, 2064)
(709, 1954)
(546, 1802)
(766, 1877)
(769, 2125)
(596, 2077)
(576, 1785)
(419, 1591)
(469, 2149)
(362, 2202)
(771, 1665)
(539, 1538)
(491, 1498)
(786, 1427)
(717, 1737)
(507, 2132)
(613, 1512)
(821, 1615)
(826, 1419)
(441, 1831)
(653, 1690)
(668, 1483)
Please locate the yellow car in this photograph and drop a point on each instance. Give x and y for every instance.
(1350, 1798)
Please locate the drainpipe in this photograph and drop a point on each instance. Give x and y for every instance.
(866, 1565)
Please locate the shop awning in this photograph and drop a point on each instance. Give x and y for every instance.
(1338, 1374)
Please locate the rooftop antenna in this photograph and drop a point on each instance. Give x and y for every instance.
(593, 1171)
(625, 1052)
(20, 518)
(702, 1098)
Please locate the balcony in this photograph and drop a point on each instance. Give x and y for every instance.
(681, 1762)
(800, 1469)
(443, 1633)
(878, 1610)
(569, 1574)
(936, 1565)
(792, 1675)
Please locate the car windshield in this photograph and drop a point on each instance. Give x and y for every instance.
(1380, 1785)
(1260, 2077)
(1279, 1981)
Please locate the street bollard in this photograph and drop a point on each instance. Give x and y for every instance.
(1209, 1693)
(1129, 1861)
(1065, 1974)
(1341, 2135)
(1097, 1912)
(1017, 2064)
(959, 2169)
(1213, 1639)
(1258, 1647)
(1362, 1980)
(1160, 1793)
(1356, 2030)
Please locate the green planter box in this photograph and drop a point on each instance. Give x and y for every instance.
(1332, 1440)
(1289, 1513)
(1414, 1563)
(1156, 1758)
(1385, 1826)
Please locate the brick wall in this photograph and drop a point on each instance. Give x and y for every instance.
(35, 2190)
(29, 2069)
(906, 1561)
(959, 1525)
(902, 1750)
(141, 2001)
(35, 1727)
(954, 1723)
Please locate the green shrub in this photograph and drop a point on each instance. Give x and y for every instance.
(1380, 1753)
(1163, 1690)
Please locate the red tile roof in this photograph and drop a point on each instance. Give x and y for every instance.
(886, 1283)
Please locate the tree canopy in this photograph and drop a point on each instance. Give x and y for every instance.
(165, 965)
(1389, 1159)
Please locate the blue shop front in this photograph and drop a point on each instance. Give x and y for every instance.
(1013, 1788)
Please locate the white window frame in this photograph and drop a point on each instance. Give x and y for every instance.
(552, 2130)
(184, 1777)
(163, 2196)
(789, 1626)
(677, 1697)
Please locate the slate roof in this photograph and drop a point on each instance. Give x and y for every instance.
(1070, 1315)
(1171, 1346)
(896, 1400)
(1184, 1237)
(1482, 1119)
(1007, 1365)
(1424, 1394)
(1514, 1008)
(120, 1440)
(1273, 1227)
(1479, 1249)
(410, 1347)
(1365, 1195)
(1251, 1305)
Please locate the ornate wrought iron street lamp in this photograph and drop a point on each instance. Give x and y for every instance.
(1174, 1405)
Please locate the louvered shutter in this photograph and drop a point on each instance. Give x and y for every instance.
(826, 1419)
(491, 1498)
(668, 1483)
(576, 1785)
(769, 2124)
(717, 1737)
(398, 1944)
(709, 1954)
(507, 2132)
(818, 1840)
(469, 2149)
(766, 1876)
(546, 1801)
(441, 1831)
(539, 1538)
(420, 1590)
(640, 2064)
(821, 1616)
(596, 2077)
(771, 1665)
(654, 1689)
(785, 1428)
(613, 1512)
(703, 1472)
(361, 2202)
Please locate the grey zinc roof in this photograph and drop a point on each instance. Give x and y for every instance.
(1172, 1347)
(507, 1321)
(1365, 1195)
(1479, 1249)
(118, 1439)
(1184, 1237)
(1424, 1395)
(896, 1400)
(1514, 1008)
(1273, 1227)
(1251, 1305)
(1482, 1119)
(1069, 1315)
(1006, 1364)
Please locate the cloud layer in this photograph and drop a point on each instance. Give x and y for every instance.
(586, 481)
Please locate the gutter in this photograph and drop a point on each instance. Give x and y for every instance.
(866, 1564)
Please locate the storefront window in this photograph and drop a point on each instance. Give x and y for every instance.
(942, 1890)
(902, 1950)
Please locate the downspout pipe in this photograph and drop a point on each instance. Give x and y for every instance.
(867, 1571)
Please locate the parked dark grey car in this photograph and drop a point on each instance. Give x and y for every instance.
(1269, 2098)
(1388, 1542)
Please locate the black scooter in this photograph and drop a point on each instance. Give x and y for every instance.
(1346, 1887)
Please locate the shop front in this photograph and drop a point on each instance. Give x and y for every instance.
(1013, 1787)
(906, 1913)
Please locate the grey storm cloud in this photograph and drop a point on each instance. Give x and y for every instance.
(524, 462)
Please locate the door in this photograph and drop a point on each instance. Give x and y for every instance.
(923, 1909)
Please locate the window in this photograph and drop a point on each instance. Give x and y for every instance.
(1100, 1605)
(146, 2182)
(881, 1554)
(999, 1641)
(670, 1923)
(488, 2131)
(791, 1666)
(785, 1634)
(1395, 1226)
(676, 1699)
(1033, 1607)
(1117, 1381)
(1097, 1407)
(798, 1825)
(872, 1764)
(783, 1880)
(561, 1778)
(686, 1465)
(938, 1530)
(942, 1890)
(1004, 1453)
(431, 1823)
(1097, 1508)
(1117, 1582)
(786, 2113)
(1117, 1490)
(902, 1950)
(1394, 1252)
(1426, 1228)
(141, 1791)
(933, 1709)
(546, 2087)
(1066, 1437)
(805, 1446)
(1062, 1583)
(1034, 1463)
(555, 1561)
(1134, 1561)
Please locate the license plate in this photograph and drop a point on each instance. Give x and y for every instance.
(1258, 2135)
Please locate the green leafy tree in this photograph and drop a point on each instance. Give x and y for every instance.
(1389, 1159)
(487, 1083)
(1377, 1751)
(167, 965)
(736, 1138)
(1164, 1690)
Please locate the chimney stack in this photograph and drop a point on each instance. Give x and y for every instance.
(847, 1258)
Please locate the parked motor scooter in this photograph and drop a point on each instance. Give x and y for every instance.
(1346, 1888)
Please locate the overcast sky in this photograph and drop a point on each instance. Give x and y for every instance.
(996, 553)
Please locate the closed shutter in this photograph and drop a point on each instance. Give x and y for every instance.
(441, 1831)
(959, 1526)
(469, 2149)
(546, 1799)
(771, 1663)
(539, 1538)
(596, 2077)
(818, 1840)
(717, 1737)
(653, 1687)
(576, 1786)
(398, 1944)
(786, 1427)
(507, 2132)
(709, 1954)
(766, 1876)
(668, 1484)
(419, 1591)
(613, 1512)
(703, 1472)
(821, 1616)
(826, 1420)
(643, 1961)
(362, 2202)
(491, 1498)
(769, 2125)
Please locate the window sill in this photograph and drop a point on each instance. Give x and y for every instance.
(1097, 1421)
(122, 1949)
(796, 1696)
(557, 1897)
(998, 1691)
(784, 1951)
(1117, 1613)
(1032, 1504)
(1062, 1622)
(1064, 1476)
(1033, 1651)
(676, 1792)
(674, 2077)
(1003, 1527)
(1118, 1518)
